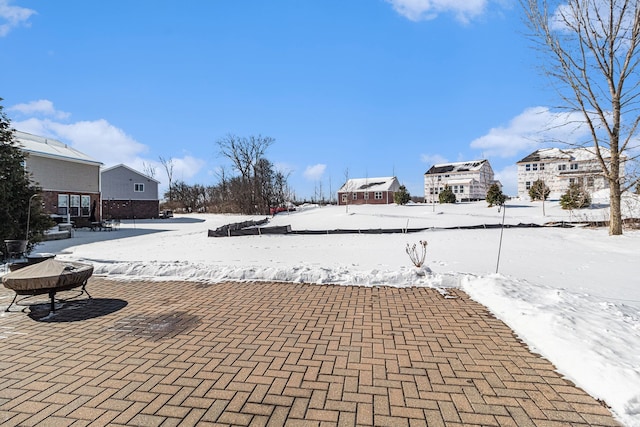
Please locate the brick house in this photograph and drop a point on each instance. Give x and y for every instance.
(70, 180)
(128, 194)
(368, 191)
(468, 180)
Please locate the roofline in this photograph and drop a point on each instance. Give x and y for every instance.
(131, 169)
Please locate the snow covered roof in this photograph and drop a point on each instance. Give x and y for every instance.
(48, 147)
(569, 154)
(371, 184)
(473, 165)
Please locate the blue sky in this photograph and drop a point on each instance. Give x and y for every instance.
(375, 87)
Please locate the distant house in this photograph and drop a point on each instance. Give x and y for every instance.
(70, 180)
(363, 191)
(128, 194)
(468, 180)
(559, 168)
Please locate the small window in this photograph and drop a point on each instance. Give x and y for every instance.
(541, 166)
(378, 195)
(85, 203)
(562, 167)
(461, 189)
(354, 196)
(366, 195)
(344, 197)
(573, 166)
(138, 188)
(535, 166)
(75, 205)
(527, 185)
(527, 167)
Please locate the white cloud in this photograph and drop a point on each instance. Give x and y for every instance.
(100, 140)
(423, 10)
(41, 106)
(12, 16)
(433, 159)
(529, 130)
(315, 172)
(508, 177)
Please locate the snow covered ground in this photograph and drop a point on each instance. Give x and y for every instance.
(573, 294)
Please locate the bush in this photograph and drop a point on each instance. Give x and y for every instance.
(495, 196)
(446, 195)
(402, 196)
(576, 197)
(539, 190)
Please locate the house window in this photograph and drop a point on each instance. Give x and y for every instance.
(572, 181)
(455, 189)
(541, 166)
(562, 167)
(63, 204)
(138, 188)
(590, 181)
(85, 205)
(535, 166)
(354, 196)
(366, 195)
(527, 185)
(573, 166)
(75, 205)
(377, 195)
(344, 197)
(439, 178)
(461, 189)
(527, 167)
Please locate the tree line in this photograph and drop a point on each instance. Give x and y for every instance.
(253, 187)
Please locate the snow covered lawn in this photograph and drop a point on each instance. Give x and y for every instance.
(573, 294)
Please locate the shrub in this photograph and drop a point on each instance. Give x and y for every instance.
(495, 196)
(539, 190)
(575, 197)
(446, 195)
(402, 196)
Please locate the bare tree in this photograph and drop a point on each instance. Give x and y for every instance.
(593, 53)
(149, 169)
(168, 167)
(245, 155)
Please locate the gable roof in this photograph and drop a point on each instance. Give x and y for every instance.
(47, 147)
(569, 154)
(123, 166)
(371, 184)
(473, 165)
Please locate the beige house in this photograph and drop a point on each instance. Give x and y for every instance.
(559, 168)
(468, 180)
(70, 180)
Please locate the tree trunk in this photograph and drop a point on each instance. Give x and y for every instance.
(615, 211)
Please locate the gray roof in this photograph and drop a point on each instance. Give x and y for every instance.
(472, 165)
(48, 147)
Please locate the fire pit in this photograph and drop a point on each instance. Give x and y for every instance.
(48, 277)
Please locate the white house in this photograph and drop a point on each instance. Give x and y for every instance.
(559, 168)
(468, 180)
(363, 191)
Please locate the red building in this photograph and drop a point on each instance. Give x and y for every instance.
(368, 191)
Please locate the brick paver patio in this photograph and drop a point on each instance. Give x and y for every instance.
(174, 353)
